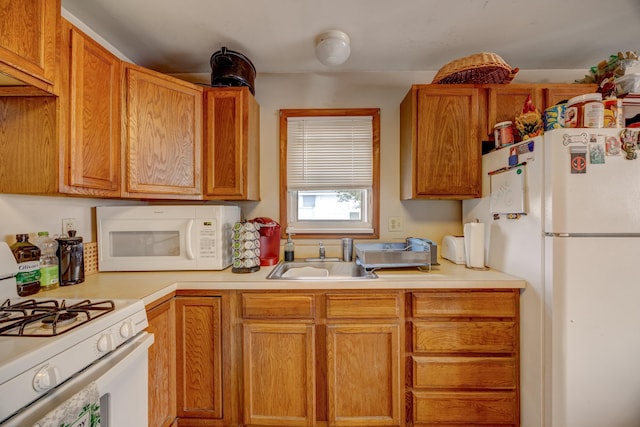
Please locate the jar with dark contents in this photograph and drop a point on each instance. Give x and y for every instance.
(28, 257)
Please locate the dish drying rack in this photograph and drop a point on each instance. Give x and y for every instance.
(393, 255)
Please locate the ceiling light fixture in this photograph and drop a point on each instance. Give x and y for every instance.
(333, 47)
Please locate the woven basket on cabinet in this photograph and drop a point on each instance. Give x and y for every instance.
(479, 68)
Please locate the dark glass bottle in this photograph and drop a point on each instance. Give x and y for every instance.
(28, 257)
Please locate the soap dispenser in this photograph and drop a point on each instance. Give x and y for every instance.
(288, 249)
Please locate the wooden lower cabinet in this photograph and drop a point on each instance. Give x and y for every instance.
(309, 362)
(199, 358)
(322, 358)
(162, 364)
(464, 358)
(279, 374)
(364, 359)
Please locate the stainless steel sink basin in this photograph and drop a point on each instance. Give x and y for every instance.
(320, 270)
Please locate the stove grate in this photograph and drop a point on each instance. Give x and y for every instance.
(55, 317)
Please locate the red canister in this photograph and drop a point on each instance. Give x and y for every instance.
(503, 134)
(269, 241)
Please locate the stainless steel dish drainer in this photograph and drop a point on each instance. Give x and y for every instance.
(394, 255)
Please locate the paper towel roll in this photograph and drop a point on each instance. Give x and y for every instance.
(474, 244)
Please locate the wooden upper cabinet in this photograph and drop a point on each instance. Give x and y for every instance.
(90, 115)
(557, 92)
(68, 144)
(163, 136)
(231, 144)
(505, 102)
(28, 46)
(440, 149)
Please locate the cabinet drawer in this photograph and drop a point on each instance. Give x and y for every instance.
(465, 408)
(464, 304)
(465, 372)
(350, 306)
(463, 337)
(282, 306)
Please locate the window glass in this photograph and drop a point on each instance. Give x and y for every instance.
(330, 179)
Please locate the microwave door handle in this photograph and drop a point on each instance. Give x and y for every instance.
(188, 242)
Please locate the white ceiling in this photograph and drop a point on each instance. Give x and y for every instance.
(179, 36)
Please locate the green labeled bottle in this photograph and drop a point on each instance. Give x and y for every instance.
(28, 257)
(49, 264)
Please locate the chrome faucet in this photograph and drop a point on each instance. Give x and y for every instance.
(321, 253)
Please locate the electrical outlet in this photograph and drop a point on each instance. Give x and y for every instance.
(68, 224)
(395, 223)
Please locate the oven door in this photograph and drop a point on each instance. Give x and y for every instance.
(121, 380)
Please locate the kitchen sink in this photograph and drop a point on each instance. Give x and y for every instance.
(320, 270)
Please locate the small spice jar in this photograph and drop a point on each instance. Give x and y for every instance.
(503, 133)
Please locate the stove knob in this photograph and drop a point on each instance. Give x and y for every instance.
(127, 330)
(45, 378)
(105, 343)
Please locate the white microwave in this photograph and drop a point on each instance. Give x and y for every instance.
(153, 237)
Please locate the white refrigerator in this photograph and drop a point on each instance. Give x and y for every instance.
(563, 212)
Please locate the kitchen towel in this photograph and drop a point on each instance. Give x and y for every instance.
(82, 409)
(474, 244)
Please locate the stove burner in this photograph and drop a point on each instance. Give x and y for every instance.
(60, 319)
(54, 317)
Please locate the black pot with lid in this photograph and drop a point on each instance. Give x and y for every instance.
(231, 68)
(71, 259)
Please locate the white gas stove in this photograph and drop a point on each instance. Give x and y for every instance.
(45, 342)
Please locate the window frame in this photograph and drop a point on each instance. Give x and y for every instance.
(374, 113)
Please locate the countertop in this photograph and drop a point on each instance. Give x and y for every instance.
(150, 286)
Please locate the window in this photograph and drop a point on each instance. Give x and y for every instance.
(329, 172)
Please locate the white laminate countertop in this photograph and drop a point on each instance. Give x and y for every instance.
(149, 286)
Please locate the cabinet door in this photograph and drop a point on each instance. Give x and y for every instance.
(199, 357)
(91, 122)
(279, 374)
(505, 102)
(162, 365)
(555, 93)
(28, 43)
(364, 375)
(163, 135)
(231, 144)
(440, 147)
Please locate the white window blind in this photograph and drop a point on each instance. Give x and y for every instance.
(329, 152)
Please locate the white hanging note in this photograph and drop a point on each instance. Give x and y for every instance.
(507, 191)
